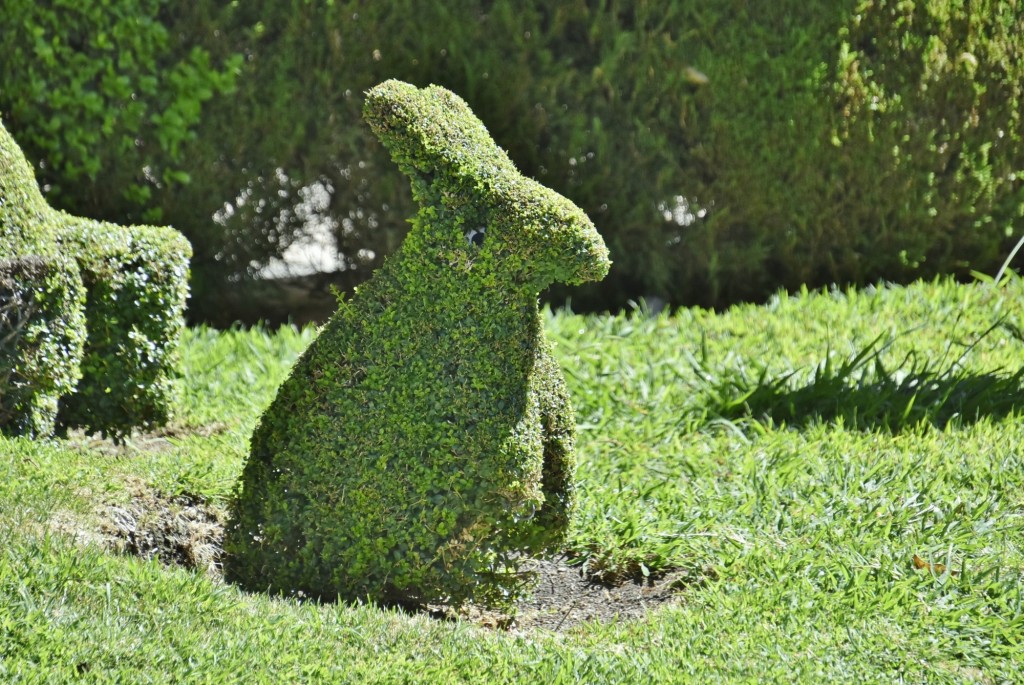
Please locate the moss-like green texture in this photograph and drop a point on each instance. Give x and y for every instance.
(425, 439)
(90, 314)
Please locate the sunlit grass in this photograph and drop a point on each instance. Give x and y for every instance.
(840, 473)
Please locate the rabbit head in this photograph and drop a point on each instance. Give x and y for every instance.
(528, 233)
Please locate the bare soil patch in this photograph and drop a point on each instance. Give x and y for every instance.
(182, 530)
(186, 531)
(564, 597)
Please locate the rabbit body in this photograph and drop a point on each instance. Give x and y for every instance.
(424, 440)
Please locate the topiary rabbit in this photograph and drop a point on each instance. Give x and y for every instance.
(424, 440)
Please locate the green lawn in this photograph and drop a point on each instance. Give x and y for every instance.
(794, 458)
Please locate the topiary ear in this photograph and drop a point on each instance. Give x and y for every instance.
(446, 150)
(433, 136)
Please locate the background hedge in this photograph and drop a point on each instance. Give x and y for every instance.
(104, 97)
(724, 149)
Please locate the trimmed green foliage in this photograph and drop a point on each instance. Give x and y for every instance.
(42, 328)
(82, 298)
(425, 439)
(41, 334)
(137, 283)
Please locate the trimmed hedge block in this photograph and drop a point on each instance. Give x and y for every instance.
(424, 442)
(90, 314)
(136, 281)
(42, 330)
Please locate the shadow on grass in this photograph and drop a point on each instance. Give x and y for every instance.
(862, 393)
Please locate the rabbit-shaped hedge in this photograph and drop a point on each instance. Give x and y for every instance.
(424, 441)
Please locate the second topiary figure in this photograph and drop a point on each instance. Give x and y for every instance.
(424, 442)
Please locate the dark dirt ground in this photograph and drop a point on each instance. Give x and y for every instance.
(184, 530)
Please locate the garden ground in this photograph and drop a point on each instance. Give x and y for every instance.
(826, 487)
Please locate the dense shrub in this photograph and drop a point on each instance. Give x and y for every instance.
(725, 149)
(41, 336)
(533, 72)
(424, 441)
(83, 298)
(104, 97)
(929, 148)
(42, 328)
(137, 282)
